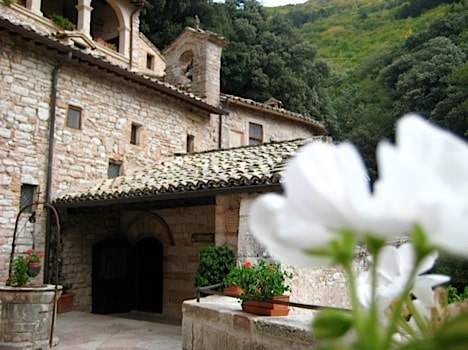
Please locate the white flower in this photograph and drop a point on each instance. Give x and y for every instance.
(326, 189)
(394, 267)
(424, 180)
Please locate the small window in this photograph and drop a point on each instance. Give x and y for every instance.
(27, 196)
(135, 134)
(114, 170)
(190, 143)
(255, 134)
(149, 61)
(74, 117)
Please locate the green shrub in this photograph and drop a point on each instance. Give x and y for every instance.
(214, 264)
(65, 23)
(19, 276)
(454, 297)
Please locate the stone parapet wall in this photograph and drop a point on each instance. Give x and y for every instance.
(219, 323)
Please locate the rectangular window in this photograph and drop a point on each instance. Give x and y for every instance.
(255, 134)
(135, 134)
(190, 143)
(27, 196)
(74, 117)
(149, 61)
(114, 170)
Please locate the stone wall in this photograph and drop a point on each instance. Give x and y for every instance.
(82, 231)
(219, 323)
(109, 107)
(274, 129)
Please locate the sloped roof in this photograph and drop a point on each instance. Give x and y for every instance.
(244, 168)
(272, 110)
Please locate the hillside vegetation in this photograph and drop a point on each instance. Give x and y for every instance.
(388, 58)
(346, 32)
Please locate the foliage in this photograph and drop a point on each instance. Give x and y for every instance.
(19, 273)
(454, 297)
(214, 264)
(261, 281)
(65, 23)
(20, 270)
(263, 55)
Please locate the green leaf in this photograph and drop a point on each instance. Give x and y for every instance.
(331, 324)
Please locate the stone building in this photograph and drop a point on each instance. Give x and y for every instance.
(143, 155)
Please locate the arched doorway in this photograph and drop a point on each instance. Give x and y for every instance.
(148, 275)
(127, 277)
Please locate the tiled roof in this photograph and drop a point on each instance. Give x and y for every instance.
(281, 112)
(242, 167)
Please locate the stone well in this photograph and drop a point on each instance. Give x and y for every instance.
(26, 316)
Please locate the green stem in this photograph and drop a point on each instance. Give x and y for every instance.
(356, 308)
(422, 325)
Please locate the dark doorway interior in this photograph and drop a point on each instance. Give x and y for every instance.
(149, 275)
(127, 277)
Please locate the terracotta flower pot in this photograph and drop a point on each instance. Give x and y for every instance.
(234, 291)
(266, 308)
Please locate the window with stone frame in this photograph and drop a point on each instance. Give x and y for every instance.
(135, 134)
(255, 134)
(113, 170)
(27, 196)
(74, 117)
(150, 61)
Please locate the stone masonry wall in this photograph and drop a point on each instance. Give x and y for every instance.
(82, 231)
(219, 323)
(109, 107)
(274, 129)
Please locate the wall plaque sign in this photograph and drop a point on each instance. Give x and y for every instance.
(203, 237)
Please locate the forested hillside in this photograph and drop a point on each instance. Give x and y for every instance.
(355, 65)
(388, 58)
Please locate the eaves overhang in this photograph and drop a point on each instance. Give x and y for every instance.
(246, 169)
(318, 128)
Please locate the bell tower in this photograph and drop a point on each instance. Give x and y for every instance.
(193, 63)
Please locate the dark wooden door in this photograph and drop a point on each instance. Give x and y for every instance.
(149, 275)
(113, 278)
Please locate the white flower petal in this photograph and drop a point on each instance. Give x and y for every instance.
(265, 214)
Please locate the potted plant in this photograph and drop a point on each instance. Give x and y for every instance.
(258, 284)
(33, 259)
(25, 267)
(65, 302)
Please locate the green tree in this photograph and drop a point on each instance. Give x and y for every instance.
(264, 56)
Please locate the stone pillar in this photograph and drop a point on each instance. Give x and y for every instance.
(34, 6)
(124, 41)
(26, 316)
(84, 16)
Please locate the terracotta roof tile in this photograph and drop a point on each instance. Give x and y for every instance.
(240, 167)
